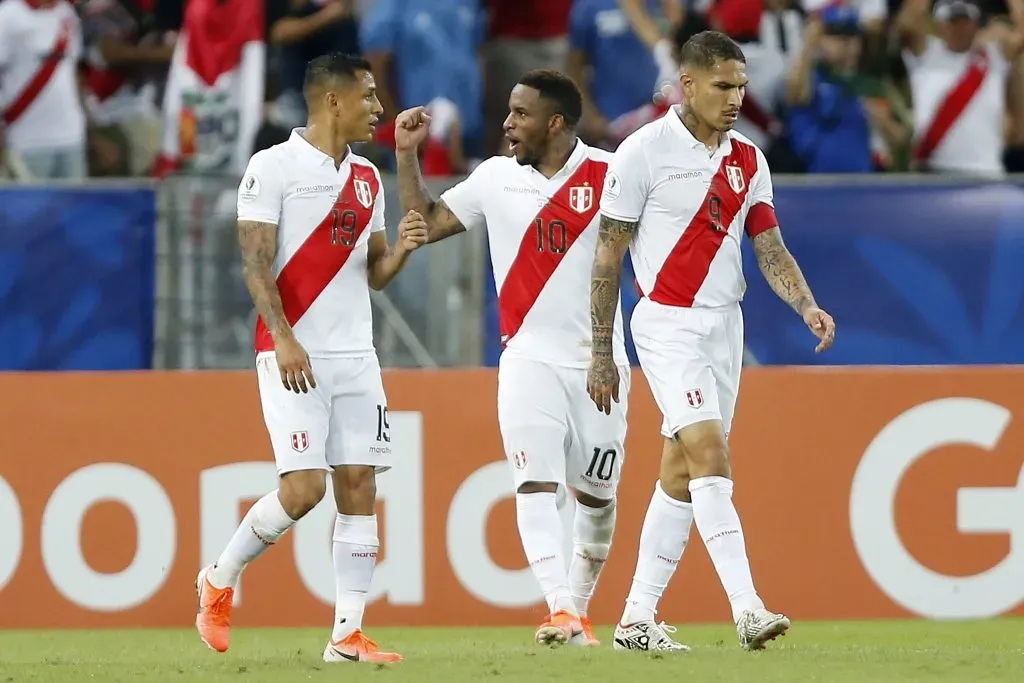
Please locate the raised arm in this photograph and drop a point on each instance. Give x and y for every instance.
(612, 241)
(384, 262)
(411, 128)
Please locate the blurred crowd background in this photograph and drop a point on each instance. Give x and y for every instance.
(150, 87)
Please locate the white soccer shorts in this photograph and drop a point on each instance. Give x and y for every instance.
(553, 432)
(692, 358)
(344, 421)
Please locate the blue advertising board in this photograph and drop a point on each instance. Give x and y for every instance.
(77, 271)
(914, 274)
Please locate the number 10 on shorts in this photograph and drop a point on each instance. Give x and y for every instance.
(603, 462)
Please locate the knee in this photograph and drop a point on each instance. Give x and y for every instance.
(301, 491)
(355, 490)
(708, 457)
(537, 487)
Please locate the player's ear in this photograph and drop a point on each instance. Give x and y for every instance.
(556, 123)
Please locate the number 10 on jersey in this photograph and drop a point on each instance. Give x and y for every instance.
(552, 236)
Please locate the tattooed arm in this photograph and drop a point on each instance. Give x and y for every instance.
(612, 242)
(785, 278)
(781, 270)
(259, 247)
(441, 222)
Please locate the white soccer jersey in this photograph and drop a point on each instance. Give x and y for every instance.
(692, 207)
(542, 235)
(973, 140)
(39, 52)
(324, 217)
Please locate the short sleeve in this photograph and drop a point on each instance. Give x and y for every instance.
(626, 183)
(379, 28)
(377, 222)
(761, 216)
(580, 25)
(261, 190)
(466, 200)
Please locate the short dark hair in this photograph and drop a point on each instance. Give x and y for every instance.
(334, 65)
(558, 89)
(705, 49)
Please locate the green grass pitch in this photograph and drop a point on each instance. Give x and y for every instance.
(846, 652)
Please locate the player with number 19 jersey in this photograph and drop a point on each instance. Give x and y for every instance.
(542, 234)
(324, 219)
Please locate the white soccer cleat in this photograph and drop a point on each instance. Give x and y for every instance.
(757, 627)
(646, 636)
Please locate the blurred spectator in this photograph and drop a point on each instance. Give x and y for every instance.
(610, 63)
(214, 99)
(873, 15)
(421, 51)
(833, 109)
(40, 46)
(127, 54)
(782, 29)
(304, 29)
(958, 83)
(523, 35)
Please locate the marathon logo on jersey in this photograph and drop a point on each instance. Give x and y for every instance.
(519, 460)
(300, 441)
(363, 192)
(736, 180)
(695, 398)
(581, 197)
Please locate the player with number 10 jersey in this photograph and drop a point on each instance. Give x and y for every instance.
(540, 209)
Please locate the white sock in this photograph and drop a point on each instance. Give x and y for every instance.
(264, 523)
(662, 542)
(355, 557)
(719, 526)
(591, 541)
(540, 528)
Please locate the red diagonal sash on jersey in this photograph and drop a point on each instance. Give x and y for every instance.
(41, 77)
(687, 266)
(312, 267)
(550, 235)
(953, 105)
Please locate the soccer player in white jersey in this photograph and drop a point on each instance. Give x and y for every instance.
(311, 228)
(539, 207)
(680, 193)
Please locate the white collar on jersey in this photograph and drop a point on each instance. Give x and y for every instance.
(675, 120)
(576, 157)
(305, 148)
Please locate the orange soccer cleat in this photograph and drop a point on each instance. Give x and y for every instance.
(560, 628)
(214, 618)
(588, 631)
(358, 648)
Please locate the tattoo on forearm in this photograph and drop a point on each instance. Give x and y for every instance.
(415, 196)
(781, 270)
(259, 246)
(612, 239)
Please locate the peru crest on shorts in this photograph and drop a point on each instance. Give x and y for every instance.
(300, 441)
(695, 398)
(736, 180)
(581, 197)
(363, 192)
(519, 459)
